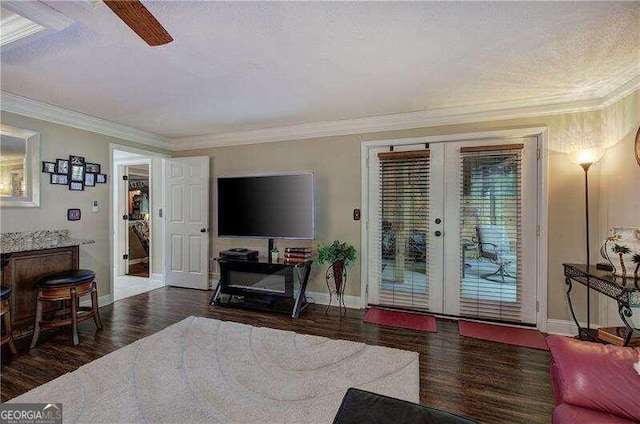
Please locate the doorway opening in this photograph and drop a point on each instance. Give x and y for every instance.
(136, 221)
(139, 223)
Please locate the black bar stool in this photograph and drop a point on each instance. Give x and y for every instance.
(5, 312)
(67, 286)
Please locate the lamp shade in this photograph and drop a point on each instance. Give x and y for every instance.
(586, 156)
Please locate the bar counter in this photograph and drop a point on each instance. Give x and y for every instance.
(38, 240)
(26, 257)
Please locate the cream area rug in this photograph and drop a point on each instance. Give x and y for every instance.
(202, 370)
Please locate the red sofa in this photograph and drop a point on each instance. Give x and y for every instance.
(594, 383)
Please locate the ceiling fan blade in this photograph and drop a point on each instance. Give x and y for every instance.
(140, 20)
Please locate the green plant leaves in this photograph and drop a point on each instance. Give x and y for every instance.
(336, 251)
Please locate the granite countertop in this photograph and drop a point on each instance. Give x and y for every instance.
(38, 240)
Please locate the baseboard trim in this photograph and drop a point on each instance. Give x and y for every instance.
(565, 327)
(322, 298)
(156, 278)
(554, 326)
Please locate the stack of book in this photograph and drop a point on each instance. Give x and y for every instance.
(296, 255)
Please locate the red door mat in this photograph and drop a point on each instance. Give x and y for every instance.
(499, 333)
(401, 320)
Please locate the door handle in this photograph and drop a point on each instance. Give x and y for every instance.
(438, 233)
(203, 230)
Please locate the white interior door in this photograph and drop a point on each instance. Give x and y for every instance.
(187, 222)
(423, 216)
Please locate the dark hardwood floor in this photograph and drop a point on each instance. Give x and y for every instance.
(486, 381)
(139, 270)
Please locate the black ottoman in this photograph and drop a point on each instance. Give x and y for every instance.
(362, 407)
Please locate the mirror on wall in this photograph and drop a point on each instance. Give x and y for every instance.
(19, 167)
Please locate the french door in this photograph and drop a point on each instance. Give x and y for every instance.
(452, 228)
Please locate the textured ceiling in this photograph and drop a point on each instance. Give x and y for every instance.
(240, 66)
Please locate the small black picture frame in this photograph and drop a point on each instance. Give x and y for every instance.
(76, 160)
(94, 168)
(101, 179)
(76, 185)
(77, 173)
(62, 166)
(61, 179)
(73, 214)
(49, 167)
(89, 179)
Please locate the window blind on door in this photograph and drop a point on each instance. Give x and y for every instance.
(491, 232)
(403, 229)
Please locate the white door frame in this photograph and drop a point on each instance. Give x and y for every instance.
(144, 156)
(542, 134)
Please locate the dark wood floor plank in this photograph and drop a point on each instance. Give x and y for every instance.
(489, 382)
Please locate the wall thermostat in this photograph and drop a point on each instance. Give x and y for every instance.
(73, 214)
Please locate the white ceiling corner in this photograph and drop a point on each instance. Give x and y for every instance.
(621, 91)
(39, 13)
(13, 103)
(15, 27)
(25, 21)
(315, 69)
(422, 119)
(450, 116)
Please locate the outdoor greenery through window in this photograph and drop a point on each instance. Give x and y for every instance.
(404, 188)
(491, 232)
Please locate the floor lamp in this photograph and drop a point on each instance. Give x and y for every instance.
(585, 158)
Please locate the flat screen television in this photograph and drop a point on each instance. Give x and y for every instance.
(267, 206)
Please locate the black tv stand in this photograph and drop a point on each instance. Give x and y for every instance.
(264, 285)
(270, 246)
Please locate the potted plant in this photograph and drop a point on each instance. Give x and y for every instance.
(338, 254)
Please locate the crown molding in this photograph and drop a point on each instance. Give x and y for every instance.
(404, 121)
(39, 13)
(31, 20)
(584, 102)
(618, 80)
(621, 92)
(15, 27)
(13, 103)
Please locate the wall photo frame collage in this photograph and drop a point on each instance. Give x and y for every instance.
(74, 172)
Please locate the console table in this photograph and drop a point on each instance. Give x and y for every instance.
(625, 291)
(273, 286)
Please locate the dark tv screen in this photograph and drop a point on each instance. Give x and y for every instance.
(267, 206)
